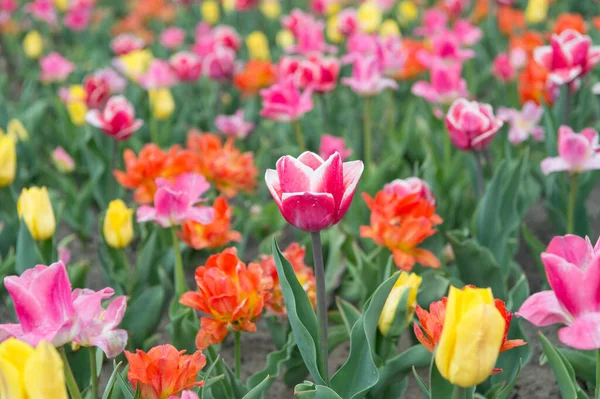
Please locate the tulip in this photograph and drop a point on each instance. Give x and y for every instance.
(134, 64)
(577, 152)
(270, 8)
(570, 56)
(523, 123)
(35, 208)
(187, 66)
(407, 284)
(126, 43)
(118, 225)
(62, 160)
(219, 64)
(446, 48)
(78, 18)
(367, 79)
(55, 68)
(186, 395)
(284, 39)
(471, 338)
(435, 22)
(313, 194)
(536, 11)
(31, 373)
(42, 10)
(258, 46)
(319, 73)
(234, 125)
(407, 12)
(17, 131)
(77, 112)
(116, 120)
(159, 75)
(284, 102)
(369, 17)
(8, 160)
(471, 125)
(333, 30)
(573, 269)
(33, 45)
(503, 68)
(210, 11)
(389, 28)
(171, 38)
(162, 103)
(410, 187)
(446, 85)
(331, 144)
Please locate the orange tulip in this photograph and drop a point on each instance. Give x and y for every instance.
(164, 371)
(510, 20)
(533, 84)
(411, 67)
(230, 293)
(255, 76)
(528, 41)
(569, 21)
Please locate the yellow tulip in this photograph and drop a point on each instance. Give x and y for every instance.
(135, 63)
(162, 103)
(33, 45)
(210, 12)
(407, 283)
(333, 30)
(62, 5)
(118, 224)
(333, 7)
(35, 208)
(369, 17)
(77, 111)
(536, 11)
(17, 131)
(28, 373)
(407, 12)
(389, 28)
(471, 337)
(270, 8)
(285, 39)
(77, 92)
(8, 160)
(258, 46)
(229, 5)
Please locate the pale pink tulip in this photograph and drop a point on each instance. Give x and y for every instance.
(446, 85)
(573, 271)
(64, 255)
(410, 186)
(569, 56)
(234, 125)
(523, 123)
(43, 304)
(187, 66)
(502, 68)
(361, 45)
(42, 10)
(577, 152)
(174, 203)
(331, 144)
(367, 79)
(78, 18)
(445, 48)
(313, 194)
(63, 160)
(385, 5)
(466, 33)
(158, 76)
(297, 20)
(284, 102)
(55, 68)
(471, 125)
(116, 120)
(171, 38)
(126, 43)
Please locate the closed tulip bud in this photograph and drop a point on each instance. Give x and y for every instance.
(389, 28)
(33, 45)
(270, 8)
(161, 103)
(285, 39)
(407, 12)
(536, 11)
(471, 338)
(35, 208)
(369, 17)
(8, 160)
(118, 224)
(63, 161)
(210, 12)
(258, 46)
(77, 111)
(17, 131)
(407, 286)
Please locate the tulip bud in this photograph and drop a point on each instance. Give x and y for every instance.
(407, 12)
(270, 8)
(405, 289)
(8, 160)
(35, 208)
(471, 338)
(389, 28)
(118, 224)
(210, 11)
(536, 11)
(258, 46)
(369, 17)
(77, 111)
(285, 39)
(161, 103)
(17, 131)
(33, 45)
(63, 162)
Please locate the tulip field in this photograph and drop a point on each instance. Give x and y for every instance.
(321, 199)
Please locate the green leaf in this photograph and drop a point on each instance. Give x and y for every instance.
(439, 387)
(583, 363)
(27, 253)
(124, 386)
(144, 265)
(335, 267)
(275, 360)
(506, 391)
(349, 313)
(309, 390)
(536, 247)
(183, 326)
(399, 367)
(143, 315)
(78, 274)
(561, 371)
(300, 314)
(433, 288)
(111, 381)
(421, 383)
(359, 373)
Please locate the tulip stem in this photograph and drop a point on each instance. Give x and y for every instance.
(93, 372)
(154, 137)
(70, 379)
(597, 393)
(367, 133)
(321, 302)
(180, 285)
(238, 353)
(299, 136)
(460, 393)
(479, 175)
(571, 209)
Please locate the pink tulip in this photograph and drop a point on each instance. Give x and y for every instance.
(64, 255)
(55, 68)
(219, 65)
(43, 304)
(360, 45)
(158, 76)
(187, 66)
(226, 36)
(502, 68)
(319, 7)
(445, 48)
(297, 20)
(126, 43)
(78, 18)
(234, 125)
(577, 152)
(331, 144)
(446, 85)
(313, 194)
(171, 38)
(42, 10)
(100, 85)
(308, 32)
(98, 326)
(471, 125)
(245, 5)
(348, 22)
(569, 56)
(573, 271)
(284, 102)
(116, 120)
(174, 203)
(456, 7)
(7, 8)
(434, 22)
(385, 5)
(186, 395)
(410, 186)
(466, 33)
(63, 161)
(387, 51)
(367, 79)
(523, 123)
(319, 72)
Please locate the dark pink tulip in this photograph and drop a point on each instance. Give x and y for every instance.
(471, 125)
(313, 194)
(187, 66)
(116, 120)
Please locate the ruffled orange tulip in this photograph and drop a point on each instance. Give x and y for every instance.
(255, 76)
(230, 293)
(533, 84)
(294, 253)
(164, 371)
(212, 235)
(570, 21)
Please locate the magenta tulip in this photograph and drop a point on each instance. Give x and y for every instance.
(284, 102)
(471, 125)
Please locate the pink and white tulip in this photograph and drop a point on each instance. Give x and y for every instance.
(313, 194)
(410, 186)
(171, 38)
(471, 125)
(158, 76)
(284, 102)
(446, 85)
(219, 65)
(573, 270)
(55, 68)
(235, 125)
(185, 395)
(348, 22)
(523, 123)
(577, 152)
(100, 85)
(569, 56)
(187, 66)
(174, 203)
(78, 18)
(116, 120)
(367, 79)
(329, 145)
(126, 43)
(445, 48)
(42, 10)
